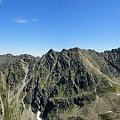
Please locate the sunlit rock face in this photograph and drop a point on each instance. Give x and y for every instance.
(73, 84)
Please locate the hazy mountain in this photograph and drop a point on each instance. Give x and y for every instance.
(73, 84)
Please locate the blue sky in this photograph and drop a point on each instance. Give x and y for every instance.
(35, 26)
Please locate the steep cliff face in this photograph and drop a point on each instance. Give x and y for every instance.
(73, 84)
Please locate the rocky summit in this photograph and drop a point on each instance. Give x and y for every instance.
(74, 84)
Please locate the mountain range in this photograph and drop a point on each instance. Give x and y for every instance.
(74, 84)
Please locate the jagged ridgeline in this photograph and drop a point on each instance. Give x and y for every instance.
(73, 84)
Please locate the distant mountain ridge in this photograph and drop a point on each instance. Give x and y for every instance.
(74, 84)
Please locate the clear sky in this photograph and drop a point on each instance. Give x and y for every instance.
(35, 26)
